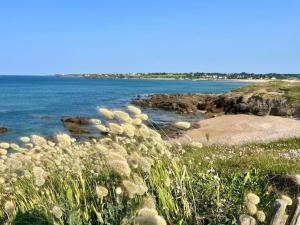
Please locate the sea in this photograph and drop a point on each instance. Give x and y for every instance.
(34, 104)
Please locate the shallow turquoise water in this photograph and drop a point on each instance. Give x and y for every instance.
(34, 104)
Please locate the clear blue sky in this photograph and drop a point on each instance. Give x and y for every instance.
(72, 36)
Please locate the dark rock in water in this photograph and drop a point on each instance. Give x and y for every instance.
(3, 130)
(259, 104)
(79, 120)
(77, 129)
(181, 103)
(73, 124)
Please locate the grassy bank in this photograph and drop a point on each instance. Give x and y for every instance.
(290, 90)
(132, 176)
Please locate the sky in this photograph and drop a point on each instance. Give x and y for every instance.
(121, 36)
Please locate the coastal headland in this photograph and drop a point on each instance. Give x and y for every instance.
(260, 112)
(278, 98)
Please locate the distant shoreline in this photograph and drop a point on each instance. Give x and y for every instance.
(162, 79)
(196, 79)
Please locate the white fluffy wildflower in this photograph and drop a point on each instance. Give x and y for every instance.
(3, 151)
(136, 121)
(52, 144)
(38, 140)
(261, 216)
(25, 139)
(129, 130)
(118, 190)
(134, 109)
(143, 131)
(29, 145)
(119, 148)
(150, 220)
(2, 180)
(149, 202)
(39, 175)
(106, 113)
(103, 150)
(94, 121)
(147, 212)
(253, 198)
(122, 116)
(115, 156)
(63, 140)
(182, 125)
(167, 181)
(102, 128)
(160, 148)
(251, 208)
(130, 187)
(101, 191)
(15, 147)
(142, 162)
(120, 166)
(154, 134)
(57, 212)
(9, 207)
(4, 145)
(115, 128)
(196, 144)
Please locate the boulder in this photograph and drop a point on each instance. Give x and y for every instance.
(73, 124)
(79, 120)
(73, 128)
(3, 130)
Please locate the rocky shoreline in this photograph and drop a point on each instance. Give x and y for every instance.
(257, 103)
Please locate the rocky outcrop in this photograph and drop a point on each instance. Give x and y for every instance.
(78, 120)
(3, 130)
(181, 103)
(218, 104)
(73, 124)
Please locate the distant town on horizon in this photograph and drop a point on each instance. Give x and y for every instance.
(188, 75)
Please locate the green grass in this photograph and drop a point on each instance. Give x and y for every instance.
(265, 157)
(190, 186)
(291, 91)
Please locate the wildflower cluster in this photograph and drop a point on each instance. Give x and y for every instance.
(40, 168)
(251, 202)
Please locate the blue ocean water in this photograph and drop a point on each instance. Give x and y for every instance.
(34, 104)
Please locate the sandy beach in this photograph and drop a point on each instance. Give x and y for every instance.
(241, 129)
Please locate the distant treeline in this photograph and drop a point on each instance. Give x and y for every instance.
(196, 75)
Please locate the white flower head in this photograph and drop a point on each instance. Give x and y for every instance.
(9, 207)
(122, 116)
(4, 145)
(106, 113)
(115, 128)
(182, 125)
(134, 109)
(57, 212)
(101, 191)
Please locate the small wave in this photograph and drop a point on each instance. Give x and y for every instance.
(7, 110)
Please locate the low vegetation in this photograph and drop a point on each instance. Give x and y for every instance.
(290, 90)
(132, 176)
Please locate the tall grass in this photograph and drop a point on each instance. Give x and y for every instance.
(129, 176)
